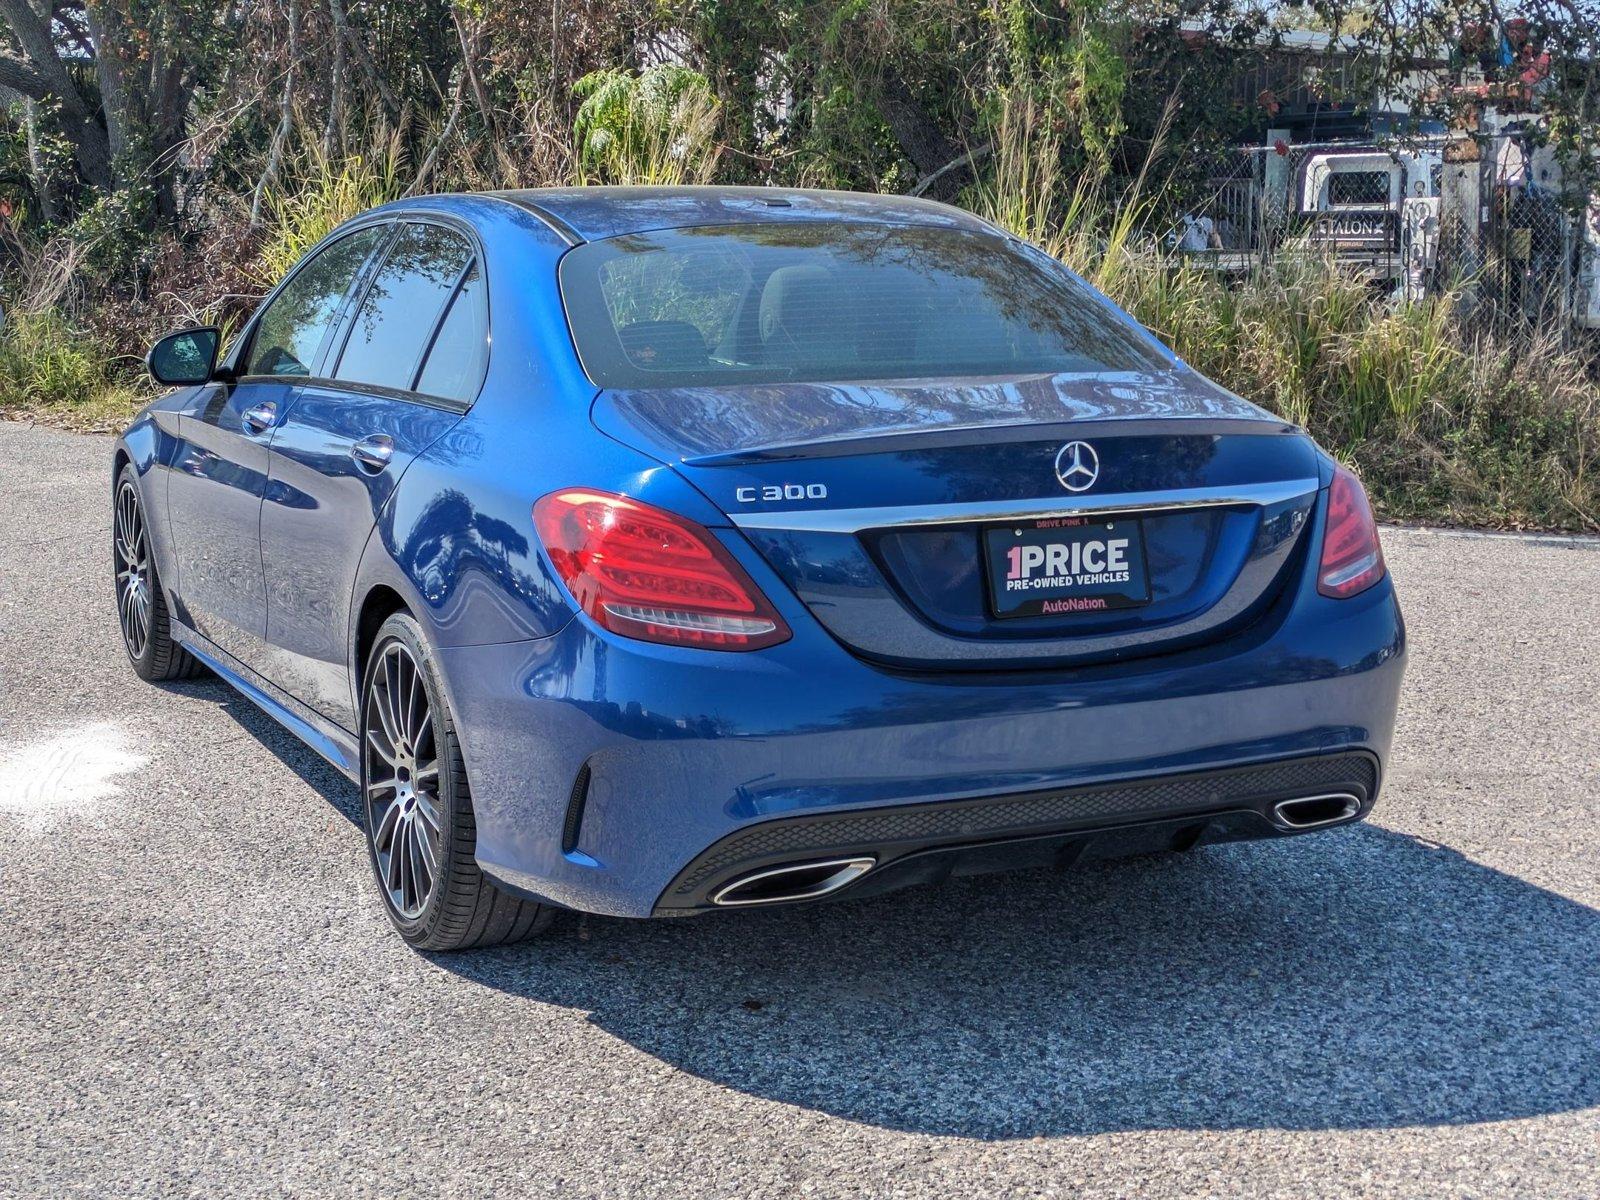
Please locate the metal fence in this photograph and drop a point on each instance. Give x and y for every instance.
(1486, 218)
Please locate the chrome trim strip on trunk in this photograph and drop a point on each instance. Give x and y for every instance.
(854, 520)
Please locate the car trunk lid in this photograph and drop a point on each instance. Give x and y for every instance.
(892, 510)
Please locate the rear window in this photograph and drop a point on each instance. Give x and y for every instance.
(1358, 187)
(772, 303)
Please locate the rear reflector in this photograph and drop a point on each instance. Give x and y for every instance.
(649, 574)
(1352, 559)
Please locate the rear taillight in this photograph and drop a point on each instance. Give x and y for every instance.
(1352, 559)
(650, 574)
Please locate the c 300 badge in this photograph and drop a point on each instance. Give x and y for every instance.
(781, 491)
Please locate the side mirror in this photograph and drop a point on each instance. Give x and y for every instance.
(187, 357)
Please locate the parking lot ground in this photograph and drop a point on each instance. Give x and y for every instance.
(200, 996)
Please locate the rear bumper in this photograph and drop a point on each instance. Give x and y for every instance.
(686, 748)
(918, 843)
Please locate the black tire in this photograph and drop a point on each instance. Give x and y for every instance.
(141, 604)
(461, 909)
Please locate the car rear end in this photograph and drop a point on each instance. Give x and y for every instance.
(928, 626)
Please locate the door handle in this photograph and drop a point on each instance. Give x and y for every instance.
(372, 454)
(259, 417)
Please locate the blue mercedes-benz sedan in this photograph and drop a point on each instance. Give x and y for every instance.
(650, 551)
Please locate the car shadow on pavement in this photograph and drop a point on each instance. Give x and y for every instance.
(313, 770)
(1355, 979)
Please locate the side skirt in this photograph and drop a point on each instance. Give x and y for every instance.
(327, 739)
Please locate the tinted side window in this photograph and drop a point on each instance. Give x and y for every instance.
(292, 328)
(455, 363)
(402, 305)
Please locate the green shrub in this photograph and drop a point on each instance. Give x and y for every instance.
(46, 363)
(657, 127)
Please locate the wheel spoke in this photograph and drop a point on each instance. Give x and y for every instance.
(394, 878)
(408, 865)
(401, 700)
(429, 815)
(411, 715)
(391, 685)
(383, 831)
(386, 721)
(430, 851)
(381, 745)
(421, 879)
(384, 704)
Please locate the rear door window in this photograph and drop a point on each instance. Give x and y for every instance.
(402, 305)
(454, 367)
(290, 333)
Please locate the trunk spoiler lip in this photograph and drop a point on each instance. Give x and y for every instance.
(992, 432)
(856, 520)
(835, 419)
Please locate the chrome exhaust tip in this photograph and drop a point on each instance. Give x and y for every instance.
(1313, 812)
(799, 881)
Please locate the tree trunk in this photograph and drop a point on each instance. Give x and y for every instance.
(285, 117)
(166, 115)
(334, 126)
(921, 139)
(45, 76)
(469, 51)
(42, 185)
(110, 71)
(341, 24)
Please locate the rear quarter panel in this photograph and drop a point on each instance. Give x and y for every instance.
(456, 542)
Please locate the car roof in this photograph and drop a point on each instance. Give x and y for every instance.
(590, 213)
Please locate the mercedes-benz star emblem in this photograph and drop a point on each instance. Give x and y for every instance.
(1077, 466)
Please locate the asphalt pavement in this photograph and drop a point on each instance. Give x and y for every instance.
(200, 996)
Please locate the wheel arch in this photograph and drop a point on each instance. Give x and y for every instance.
(379, 604)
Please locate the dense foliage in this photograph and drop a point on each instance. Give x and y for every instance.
(162, 161)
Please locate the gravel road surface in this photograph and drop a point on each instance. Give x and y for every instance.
(199, 995)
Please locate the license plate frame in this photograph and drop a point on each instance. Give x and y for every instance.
(1057, 582)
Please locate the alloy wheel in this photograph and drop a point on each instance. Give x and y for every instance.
(131, 549)
(400, 781)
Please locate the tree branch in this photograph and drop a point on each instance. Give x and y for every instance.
(341, 24)
(966, 160)
(428, 163)
(20, 77)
